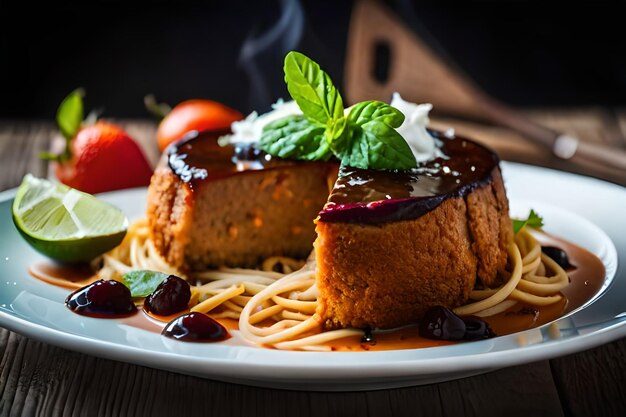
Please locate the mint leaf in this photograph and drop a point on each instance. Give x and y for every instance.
(295, 137)
(373, 142)
(312, 89)
(534, 220)
(335, 128)
(70, 114)
(379, 146)
(143, 283)
(367, 111)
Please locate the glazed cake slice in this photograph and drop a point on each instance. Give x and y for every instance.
(392, 244)
(212, 205)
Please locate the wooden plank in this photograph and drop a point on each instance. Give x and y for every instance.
(50, 381)
(620, 115)
(526, 390)
(593, 382)
(20, 145)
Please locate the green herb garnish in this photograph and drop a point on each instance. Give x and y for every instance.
(143, 283)
(70, 114)
(534, 220)
(69, 120)
(366, 138)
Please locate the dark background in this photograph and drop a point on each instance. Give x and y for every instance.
(525, 53)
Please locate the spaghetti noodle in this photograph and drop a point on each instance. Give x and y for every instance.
(278, 309)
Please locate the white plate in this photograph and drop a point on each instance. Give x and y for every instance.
(580, 209)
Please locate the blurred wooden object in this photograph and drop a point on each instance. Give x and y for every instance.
(595, 125)
(385, 56)
(413, 68)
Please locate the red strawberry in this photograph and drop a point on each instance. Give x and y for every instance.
(104, 158)
(98, 157)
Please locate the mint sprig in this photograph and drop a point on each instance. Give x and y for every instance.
(366, 138)
(534, 220)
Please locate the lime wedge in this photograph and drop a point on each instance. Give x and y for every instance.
(66, 224)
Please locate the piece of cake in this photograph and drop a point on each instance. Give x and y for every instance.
(392, 244)
(389, 244)
(211, 205)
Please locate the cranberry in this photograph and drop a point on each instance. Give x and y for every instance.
(171, 296)
(441, 323)
(476, 328)
(558, 255)
(195, 327)
(101, 299)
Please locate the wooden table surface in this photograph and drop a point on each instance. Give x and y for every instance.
(38, 379)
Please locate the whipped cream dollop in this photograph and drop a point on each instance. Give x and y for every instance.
(413, 129)
(250, 129)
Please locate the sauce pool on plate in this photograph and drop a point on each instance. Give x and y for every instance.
(586, 280)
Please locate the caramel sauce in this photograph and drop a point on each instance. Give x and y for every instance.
(163, 319)
(71, 277)
(585, 282)
(229, 324)
(155, 324)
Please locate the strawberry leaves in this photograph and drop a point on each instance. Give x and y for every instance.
(69, 118)
(71, 113)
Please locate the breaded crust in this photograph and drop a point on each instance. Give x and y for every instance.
(169, 213)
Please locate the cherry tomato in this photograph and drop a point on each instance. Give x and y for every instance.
(194, 115)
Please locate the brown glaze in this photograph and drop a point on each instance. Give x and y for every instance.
(359, 195)
(369, 196)
(199, 158)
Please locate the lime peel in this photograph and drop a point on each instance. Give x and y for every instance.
(66, 224)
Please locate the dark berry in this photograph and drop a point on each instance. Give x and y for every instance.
(195, 327)
(476, 329)
(102, 299)
(247, 152)
(170, 297)
(442, 324)
(558, 255)
(368, 336)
